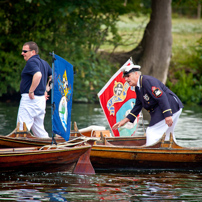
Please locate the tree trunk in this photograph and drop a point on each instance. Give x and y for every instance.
(153, 53)
(199, 10)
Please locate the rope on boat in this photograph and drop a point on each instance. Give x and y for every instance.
(85, 138)
(68, 144)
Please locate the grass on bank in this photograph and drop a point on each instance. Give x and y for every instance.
(185, 33)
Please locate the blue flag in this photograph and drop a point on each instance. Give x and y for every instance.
(63, 77)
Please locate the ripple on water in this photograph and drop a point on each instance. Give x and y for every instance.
(147, 186)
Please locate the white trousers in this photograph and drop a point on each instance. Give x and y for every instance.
(155, 132)
(32, 112)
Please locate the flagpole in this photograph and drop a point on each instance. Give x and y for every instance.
(52, 96)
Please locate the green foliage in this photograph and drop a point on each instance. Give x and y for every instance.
(75, 30)
(91, 75)
(9, 73)
(19, 23)
(198, 57)
(187, 89)
(189, 83)
(185, 7)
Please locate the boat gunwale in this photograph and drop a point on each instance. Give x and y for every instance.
(36, 150)
(144, 149)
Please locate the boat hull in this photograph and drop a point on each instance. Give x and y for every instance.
(105, 157)
(127, 152)
(36, 159)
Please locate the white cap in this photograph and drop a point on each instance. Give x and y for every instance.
(129, 67)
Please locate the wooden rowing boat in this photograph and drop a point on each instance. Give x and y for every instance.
(161, 155)
(130, 153)
(71, 157)
(49, 159)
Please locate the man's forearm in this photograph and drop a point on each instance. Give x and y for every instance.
(35, 81)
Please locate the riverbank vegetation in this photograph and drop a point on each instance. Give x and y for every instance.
(86, 33)
(184, 76)
(185, 71)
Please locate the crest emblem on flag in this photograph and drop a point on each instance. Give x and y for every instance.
(62, 99)
(117, 99)
(66, 91)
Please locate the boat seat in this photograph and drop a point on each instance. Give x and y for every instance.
(98, 133)
(169, 143)
(21, 133)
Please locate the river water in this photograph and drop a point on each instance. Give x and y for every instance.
(142, 185)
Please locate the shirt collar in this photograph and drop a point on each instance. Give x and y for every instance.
(138, 82)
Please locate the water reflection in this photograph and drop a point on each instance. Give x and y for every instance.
(157, 186)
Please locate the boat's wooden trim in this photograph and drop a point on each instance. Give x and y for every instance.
(38, 150)
(163, 154)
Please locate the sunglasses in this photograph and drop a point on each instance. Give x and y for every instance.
(25, 51)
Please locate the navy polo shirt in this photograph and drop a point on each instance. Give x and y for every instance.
(33, 65)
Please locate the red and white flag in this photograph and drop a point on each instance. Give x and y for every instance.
(117, 99)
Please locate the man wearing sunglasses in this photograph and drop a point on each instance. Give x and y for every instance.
(162, 104)
(34, 78)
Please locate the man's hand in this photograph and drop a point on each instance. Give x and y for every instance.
(46, 95)
(115, 126)
(35, 82)
(31, 95)
(120, 123)
(169, 121)
(49, 84)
